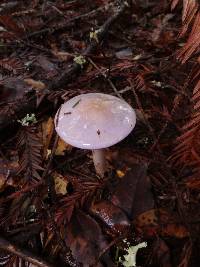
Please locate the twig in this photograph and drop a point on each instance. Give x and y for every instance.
(106, 78)
(23, 253)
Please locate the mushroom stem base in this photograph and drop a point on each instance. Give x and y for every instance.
(99, 161)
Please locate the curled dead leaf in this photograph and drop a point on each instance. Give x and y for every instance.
(37, 85)
(84, 237)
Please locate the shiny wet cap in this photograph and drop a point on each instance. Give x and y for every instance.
(94, 120)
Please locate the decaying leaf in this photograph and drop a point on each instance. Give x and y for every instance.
(160, 221)
(47, 132)
(112, 216)
(62, 147)
(60, 183)
(37, 85)
(85, 238)
(120, 173)
(133, 194)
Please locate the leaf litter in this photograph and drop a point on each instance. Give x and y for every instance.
(52, 206)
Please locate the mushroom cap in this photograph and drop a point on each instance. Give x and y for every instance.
(94, 120)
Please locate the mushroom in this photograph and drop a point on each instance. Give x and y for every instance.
(95, 121)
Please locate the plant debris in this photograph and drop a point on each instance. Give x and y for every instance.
(54, 210)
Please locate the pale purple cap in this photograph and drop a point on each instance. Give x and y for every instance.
(94, 120)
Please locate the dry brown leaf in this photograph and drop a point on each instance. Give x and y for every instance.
(160, 221)
(37, 85)
(62, 147)
(60, 183)
(47, 132)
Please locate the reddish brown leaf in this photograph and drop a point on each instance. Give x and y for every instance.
(133, 194)
(154, 222)
(85, 239)
(112, 216)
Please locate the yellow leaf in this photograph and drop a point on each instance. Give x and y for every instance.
(47, 132)
(62, 147)
(60, 184)
(120, 173)
(38, 85)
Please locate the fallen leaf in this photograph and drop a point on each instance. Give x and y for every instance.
(62, 147)
(47, 132)
(133, 193)
(85, 239)
(37, 85)
(154, 222)
(60, 183)
(112, 216)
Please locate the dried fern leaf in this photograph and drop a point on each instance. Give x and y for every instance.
(192, 45)
(29, 145)
(190, 17)
(187, 150)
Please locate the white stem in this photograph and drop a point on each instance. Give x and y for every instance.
(99, 161)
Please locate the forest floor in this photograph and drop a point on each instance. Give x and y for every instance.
(54, 209)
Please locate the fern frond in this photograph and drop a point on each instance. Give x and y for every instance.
(84, 191)
(192, 45)
(29, 144)
(190, 9)
(190, 17)
(187, 151)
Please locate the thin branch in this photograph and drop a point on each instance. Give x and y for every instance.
(106, 78)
